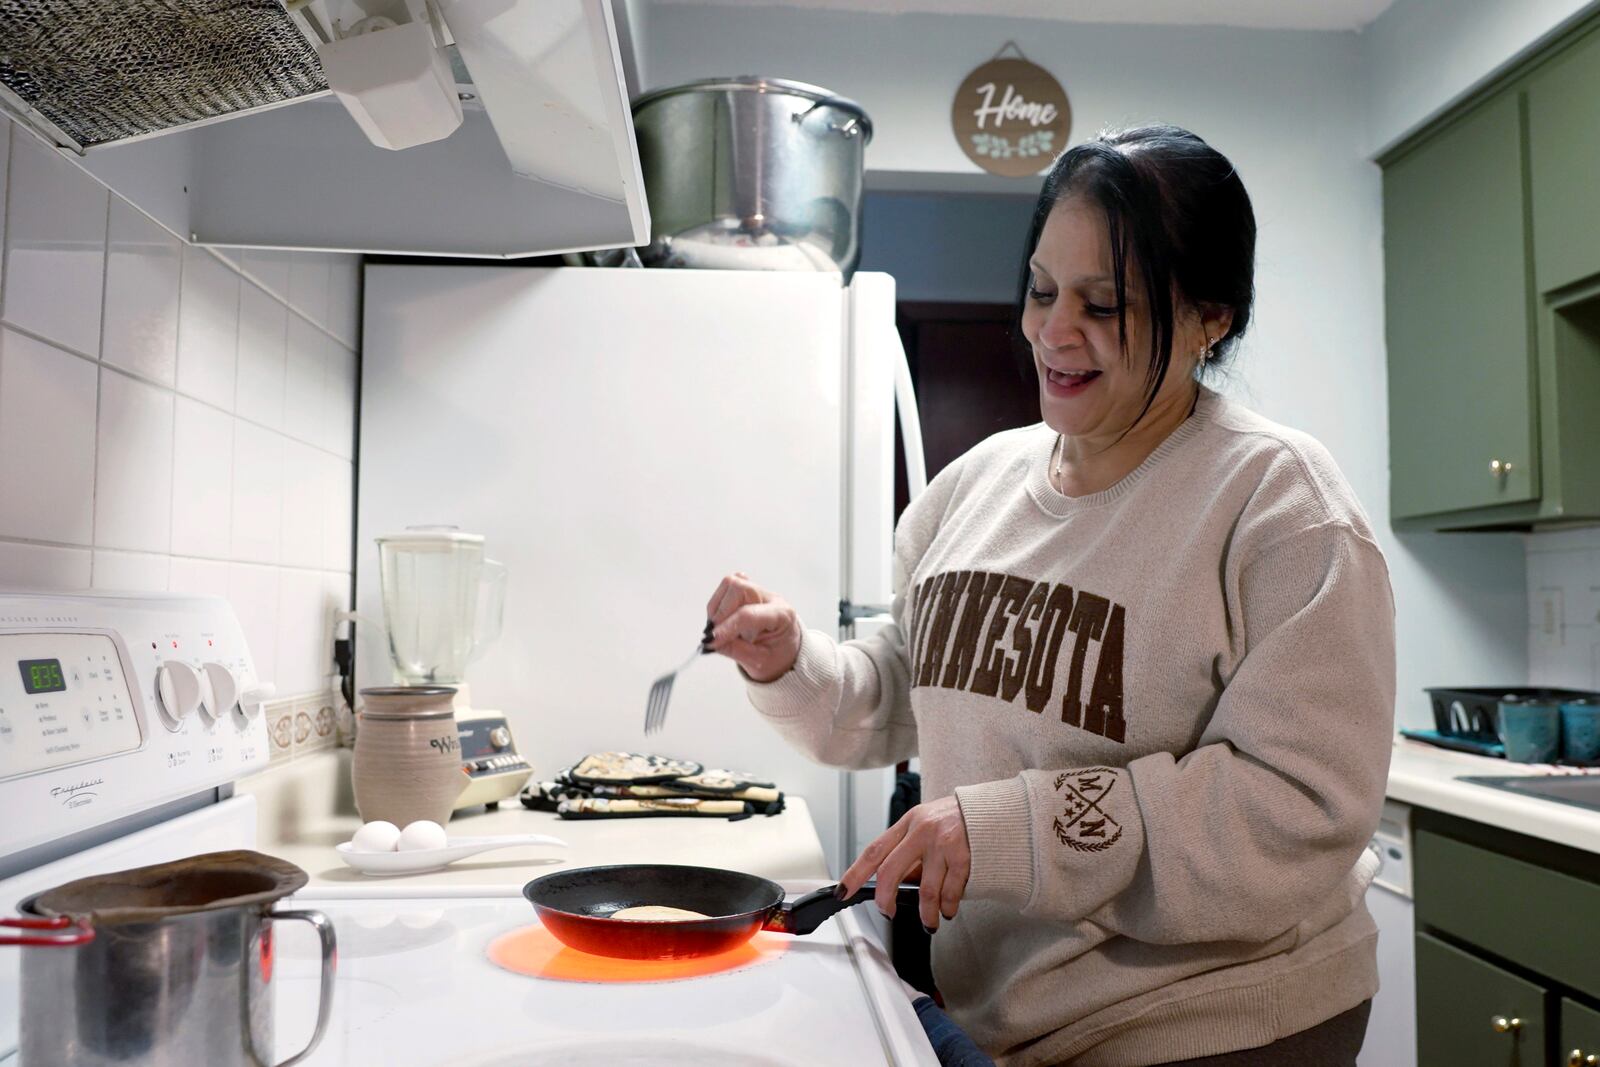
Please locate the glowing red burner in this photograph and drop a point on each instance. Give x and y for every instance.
(534, 951)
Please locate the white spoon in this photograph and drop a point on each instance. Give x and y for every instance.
(420, 860)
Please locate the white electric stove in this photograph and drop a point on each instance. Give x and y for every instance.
(415, 985)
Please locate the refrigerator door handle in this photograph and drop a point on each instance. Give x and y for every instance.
(850, 614)
(905, 405)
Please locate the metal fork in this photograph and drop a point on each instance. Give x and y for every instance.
(655, 708)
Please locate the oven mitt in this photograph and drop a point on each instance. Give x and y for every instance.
(627, 768)
(720, 783)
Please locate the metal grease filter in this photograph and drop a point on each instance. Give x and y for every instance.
(107, 70)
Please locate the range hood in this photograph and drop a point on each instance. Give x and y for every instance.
(505, 133)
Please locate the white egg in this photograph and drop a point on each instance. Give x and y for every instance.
(422, 835)
(377, 836)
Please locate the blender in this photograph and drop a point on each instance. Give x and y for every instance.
(442, 604)
(442, 607)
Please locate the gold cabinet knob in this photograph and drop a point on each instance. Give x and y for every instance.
(1576, 1058)
(1502, 1025)
(1499, 468)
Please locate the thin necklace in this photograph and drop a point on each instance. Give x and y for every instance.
(1059, 452)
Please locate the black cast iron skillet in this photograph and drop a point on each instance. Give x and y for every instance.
(576, 906)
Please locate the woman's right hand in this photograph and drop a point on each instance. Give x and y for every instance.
(756, 629)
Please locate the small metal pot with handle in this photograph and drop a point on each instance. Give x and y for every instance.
(166, 964)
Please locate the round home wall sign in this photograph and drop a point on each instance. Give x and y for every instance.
(1011, 116)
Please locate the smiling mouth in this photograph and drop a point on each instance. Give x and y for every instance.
(1070, 378)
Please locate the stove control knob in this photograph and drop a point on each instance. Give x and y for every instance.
(252, 700)
(222, 693)
(500, 737)
(177, 690)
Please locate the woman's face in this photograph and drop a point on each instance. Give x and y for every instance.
(1088, 387)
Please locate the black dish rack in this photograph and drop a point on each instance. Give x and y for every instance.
(1474, 714)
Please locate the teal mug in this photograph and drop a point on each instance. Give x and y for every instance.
(1530, 731)
(1580, 731)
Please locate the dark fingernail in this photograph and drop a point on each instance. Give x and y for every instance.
(929, 930)
(841, 891)
(709, 624)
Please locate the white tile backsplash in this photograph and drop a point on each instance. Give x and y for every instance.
(55, 247)
(337, 425)
(133, 468)
(202, 478)
(42, 567)
(133, 572)
(208, 328)
(338, 512)
(47, 425)
(203, 455)
(309, 277)
(253, 591)
(304, 503)
(199, 577)
(270, 269)
(304, 643)
(1564, 608)
(344, 300)
(143, 264)
(306, 380)
(257, 493)
(263, 333)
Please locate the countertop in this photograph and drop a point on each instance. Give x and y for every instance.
(1426, 777)
(305, 809)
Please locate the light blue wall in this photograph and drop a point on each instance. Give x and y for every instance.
(961, 247)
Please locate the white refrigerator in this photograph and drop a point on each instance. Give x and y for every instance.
(623, 438)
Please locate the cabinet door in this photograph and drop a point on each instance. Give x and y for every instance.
(1564, 160)
(1580, 1035)
(1473, 1014)
(1461, 347)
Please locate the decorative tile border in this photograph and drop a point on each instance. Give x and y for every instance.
(298, 725)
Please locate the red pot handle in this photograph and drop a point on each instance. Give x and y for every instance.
(73, 930)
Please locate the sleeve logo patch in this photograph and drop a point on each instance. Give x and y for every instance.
(1083, 825)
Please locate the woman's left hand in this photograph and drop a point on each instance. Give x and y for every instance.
(932, 836)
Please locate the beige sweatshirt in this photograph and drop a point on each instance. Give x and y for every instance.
(1165, 711)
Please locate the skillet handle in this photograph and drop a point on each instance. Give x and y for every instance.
(812, 910)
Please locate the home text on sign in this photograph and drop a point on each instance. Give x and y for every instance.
(1011, 117)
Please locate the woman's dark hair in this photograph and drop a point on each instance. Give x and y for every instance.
(1177, 213)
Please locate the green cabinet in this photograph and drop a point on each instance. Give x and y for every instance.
(1507, 951)
(1492, 287)
(1473, 1014)
(1580, 1035)
(1564, 162)
(1461, 343)
(1500, 915)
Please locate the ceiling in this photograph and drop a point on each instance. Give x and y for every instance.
(1256, 14)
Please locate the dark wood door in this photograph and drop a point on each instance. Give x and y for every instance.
(968, 362)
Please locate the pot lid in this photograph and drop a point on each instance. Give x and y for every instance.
(208, 882)
(432, 534)
(754, 83)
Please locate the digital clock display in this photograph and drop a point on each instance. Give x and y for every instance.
(42, 676)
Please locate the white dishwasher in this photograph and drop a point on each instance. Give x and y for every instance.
(1392, 1029)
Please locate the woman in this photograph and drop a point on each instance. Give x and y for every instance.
(1145, 653)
